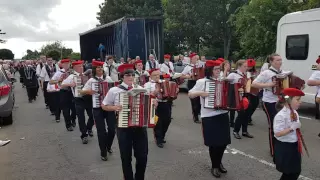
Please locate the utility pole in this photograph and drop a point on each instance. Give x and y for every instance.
(2, 33)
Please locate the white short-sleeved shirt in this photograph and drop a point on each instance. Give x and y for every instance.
(112, 98)
(188, 69)
(44, 74)
(316, 76)
(205, 112)
(266, 77)
(70, 80)
(88, 85)
(235, 76)
(165, 68)
(283, 121)
(38, 70)
(264, 67)
(148, 66)
(114, 73)
(57, 76)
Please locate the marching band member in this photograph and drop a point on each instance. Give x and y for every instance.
(241, 120)
(187, 72)
(129, 138)
(139, 72)
(253, 98)
(81, 104)
(264, 81)
(314, 80)
(101, 118)
(152, 63)
(47, 71)
(110, 69)
(30, 81)
(215, 123)
(63, 100)
(167, 67)
(288, 145)
(163, 109)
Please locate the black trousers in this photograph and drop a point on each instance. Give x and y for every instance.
(105, 137)
(31, 92)
(290, 176)
(271, 112)
(45, 93)
(216, 154)
(254, 102)
(136, 139)
(82, 106)
(68, 107)
(241, 121)
(195, 102)
(54, 104)
(232, 114)
(164, 119)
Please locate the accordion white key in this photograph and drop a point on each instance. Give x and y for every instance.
(78, 87)
(96, 102)
(138, 109)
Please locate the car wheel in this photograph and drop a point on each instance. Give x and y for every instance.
(7, 120)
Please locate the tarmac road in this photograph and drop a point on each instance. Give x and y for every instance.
(42, 149)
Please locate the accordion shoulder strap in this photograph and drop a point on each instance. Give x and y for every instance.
(122, 87)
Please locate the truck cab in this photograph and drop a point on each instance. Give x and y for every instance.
(298, 43)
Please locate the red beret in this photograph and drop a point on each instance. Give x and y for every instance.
(138, 61)
(166, 76)
(97, 63)
(124, 67)
(251, 63)
(221, 59)
(192, 55)
(77, 63)
(245, 103)
(167, 56)
(65, 60)
(211, 63)
(318, 61)
(152, 70)
(291, 92)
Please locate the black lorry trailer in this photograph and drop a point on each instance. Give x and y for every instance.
(125, 37)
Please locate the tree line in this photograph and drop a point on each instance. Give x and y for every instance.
(231, 29)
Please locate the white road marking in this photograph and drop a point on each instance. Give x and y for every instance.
(261, 161)
(303, 117)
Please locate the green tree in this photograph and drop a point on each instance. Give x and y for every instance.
(31, 54)
(56, 55)
(111, 10)
(6, 54)
(56, 46)
(75, 56)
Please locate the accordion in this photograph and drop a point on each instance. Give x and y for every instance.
(138, 109)
(167, 90)
(177, 77)
(223, 95)
(286, 80)
(101, 89)
(249, 89)
(197, 73)
(141, 80)
(80, 81)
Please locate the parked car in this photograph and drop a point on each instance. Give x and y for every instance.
(7, 99)
(178, 67)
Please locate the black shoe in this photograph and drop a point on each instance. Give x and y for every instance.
(70, 129)
(236, 135)
(319, 134)
(90, 133)
(47, 107)
(163, 141)
(160, 145)
(57, 120)
(197, 121)
(104, 158)
(222, 169)
(74, 124)
(110, 151)
(250, 123)
(215, 172)
(52, 114)
(247, 135)
(85, 140)
(30, 101)
(232, 125)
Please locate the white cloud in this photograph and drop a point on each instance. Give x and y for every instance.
(29, 24)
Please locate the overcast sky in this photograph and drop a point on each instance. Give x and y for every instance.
(29, 24)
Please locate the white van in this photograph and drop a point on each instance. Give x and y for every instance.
(298, 43)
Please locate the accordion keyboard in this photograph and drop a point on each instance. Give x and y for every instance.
(124, 113)
(96, 96)
(210, 87)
